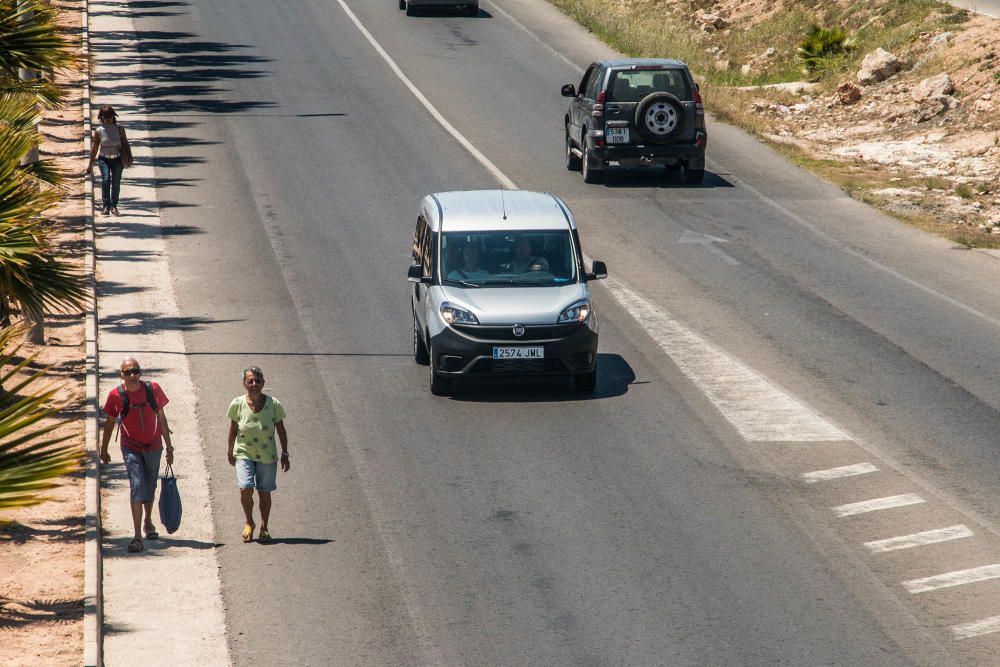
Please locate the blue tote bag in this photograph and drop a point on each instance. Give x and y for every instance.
(170, 501)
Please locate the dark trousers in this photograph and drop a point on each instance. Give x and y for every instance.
(111, 180)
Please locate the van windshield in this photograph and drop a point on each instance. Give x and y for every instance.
(508, 258)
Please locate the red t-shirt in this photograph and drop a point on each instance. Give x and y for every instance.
(140, 430)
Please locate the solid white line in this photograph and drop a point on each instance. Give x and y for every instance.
(877, 504)
(957, 578)
(459, 137)
(759, 410)
(836, 473)
(983, 627)
(919, 539)
(756, 408)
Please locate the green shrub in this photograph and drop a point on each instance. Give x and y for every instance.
(821, 45)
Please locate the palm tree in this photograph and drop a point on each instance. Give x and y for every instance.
(29, 274)
(31, 459)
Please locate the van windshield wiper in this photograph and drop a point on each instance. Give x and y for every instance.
(461, 282)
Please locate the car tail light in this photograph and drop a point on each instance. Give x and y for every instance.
(700, 139)
(698, 104)
(599, 104)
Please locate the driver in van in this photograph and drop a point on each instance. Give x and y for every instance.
(524, 261)
(470, 265)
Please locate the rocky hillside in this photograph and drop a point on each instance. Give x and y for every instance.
(905, 115)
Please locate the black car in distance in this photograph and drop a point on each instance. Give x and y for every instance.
(635, 112)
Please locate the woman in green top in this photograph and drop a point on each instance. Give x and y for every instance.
(254, 419)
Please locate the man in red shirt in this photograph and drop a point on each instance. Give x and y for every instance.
(138, 407)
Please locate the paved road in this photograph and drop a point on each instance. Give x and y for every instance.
(516, 525)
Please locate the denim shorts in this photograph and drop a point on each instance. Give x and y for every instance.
(255, 475)
(143, 469)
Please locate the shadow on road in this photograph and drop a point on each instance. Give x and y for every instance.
(614, 376)
(656, 177)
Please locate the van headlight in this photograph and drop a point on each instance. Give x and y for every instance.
(452, 314)
(577, 312)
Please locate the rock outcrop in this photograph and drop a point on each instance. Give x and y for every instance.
(877, 66)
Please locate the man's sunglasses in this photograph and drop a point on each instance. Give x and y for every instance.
(131, 371)
(254, 381)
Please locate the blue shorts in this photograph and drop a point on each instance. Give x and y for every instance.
(254, 475)
(143, 468)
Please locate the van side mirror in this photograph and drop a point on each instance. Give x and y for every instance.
(568, 90)
(598, 271)
(415, 273)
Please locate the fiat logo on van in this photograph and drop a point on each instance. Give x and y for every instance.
(518, 330)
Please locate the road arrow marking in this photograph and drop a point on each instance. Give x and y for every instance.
(709, 243)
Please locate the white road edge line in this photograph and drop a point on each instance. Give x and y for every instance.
(920, 539)
(981, 627)
(950, 579)
(837, 473)
(459, 137)
(877, 504)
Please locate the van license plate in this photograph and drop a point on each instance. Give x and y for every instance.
(616, 135)
(519, 353)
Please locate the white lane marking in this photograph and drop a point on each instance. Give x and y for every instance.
(877, 504)
(950, 579)
(982, 627)
(920, 539)
(708, 242)
(459, 137)
(757, 409)
(836, 473)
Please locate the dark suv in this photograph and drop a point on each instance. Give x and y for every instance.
(636, 112)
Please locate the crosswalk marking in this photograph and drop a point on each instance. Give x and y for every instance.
(877, 504)
(950, 579)
(981, 627)
(836, 473)
(920, 539)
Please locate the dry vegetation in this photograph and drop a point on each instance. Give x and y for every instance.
(934, 165)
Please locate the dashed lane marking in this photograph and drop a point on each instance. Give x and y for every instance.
(837, 473)
(950, 579)
(920, 539)
(982, 627)
(877, 504)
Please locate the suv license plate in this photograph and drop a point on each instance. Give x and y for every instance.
(616, 135)
(518, 352)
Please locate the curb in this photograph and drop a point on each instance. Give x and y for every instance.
(93, 569)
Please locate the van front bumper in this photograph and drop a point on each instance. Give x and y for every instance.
(568, 350)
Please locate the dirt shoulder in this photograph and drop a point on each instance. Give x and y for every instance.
(920, 140)
(41, 547)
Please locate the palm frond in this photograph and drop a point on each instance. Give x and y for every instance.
(32, 457)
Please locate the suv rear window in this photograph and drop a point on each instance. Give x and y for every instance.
(633, 85)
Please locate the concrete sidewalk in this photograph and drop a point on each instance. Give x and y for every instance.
(162, 606)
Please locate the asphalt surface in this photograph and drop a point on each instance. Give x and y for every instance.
(524, 524)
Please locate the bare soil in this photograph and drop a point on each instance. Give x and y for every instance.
(41, 547)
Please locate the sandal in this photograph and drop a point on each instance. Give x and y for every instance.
(135, 545)
(248, 532)
(264, 537)
(151, 532)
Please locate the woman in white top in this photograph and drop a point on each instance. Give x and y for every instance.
(110, 146)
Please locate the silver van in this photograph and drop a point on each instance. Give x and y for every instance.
(500, 288)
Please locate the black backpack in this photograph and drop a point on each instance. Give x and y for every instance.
(150, 399)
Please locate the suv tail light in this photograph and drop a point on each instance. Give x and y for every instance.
(699, 109)
(599, 104)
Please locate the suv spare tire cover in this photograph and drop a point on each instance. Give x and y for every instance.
(659, 116)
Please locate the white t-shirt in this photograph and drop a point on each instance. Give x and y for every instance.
(111, 139)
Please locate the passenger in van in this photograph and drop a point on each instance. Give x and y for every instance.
(524, 261)
(470, 265)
